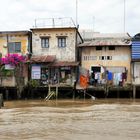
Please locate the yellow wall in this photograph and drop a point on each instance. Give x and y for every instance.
(3, 44)
(13, 38)
(121, 57)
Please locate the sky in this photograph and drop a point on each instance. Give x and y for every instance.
(105, 16)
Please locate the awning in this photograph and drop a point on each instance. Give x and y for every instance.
(42, 59)
(64, 64)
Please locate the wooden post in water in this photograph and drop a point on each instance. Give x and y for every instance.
(7, 94)
(84, 94)
(118, 92)
(1, 100)
(32, 92)
(56, 92)
(49, 91)
(73, 94)
(74, 90)
(134, 91)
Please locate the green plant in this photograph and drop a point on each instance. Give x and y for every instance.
(33, 83)
(4, 72)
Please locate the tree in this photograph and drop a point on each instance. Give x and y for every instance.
(16, 62)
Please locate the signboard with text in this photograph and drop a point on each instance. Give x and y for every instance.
(36, 72)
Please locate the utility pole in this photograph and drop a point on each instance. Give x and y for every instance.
(76, 13)
(93, 23)
(124, 16)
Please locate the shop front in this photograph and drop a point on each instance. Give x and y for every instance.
(64, 73)
(51, 72)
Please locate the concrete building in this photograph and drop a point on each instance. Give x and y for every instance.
(14, 42)
(136, 59)
(108, 53)
(55, 54)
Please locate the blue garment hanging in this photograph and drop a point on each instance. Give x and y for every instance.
(110, 76)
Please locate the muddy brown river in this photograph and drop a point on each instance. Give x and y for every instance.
(113, 119)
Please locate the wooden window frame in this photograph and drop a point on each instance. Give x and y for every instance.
(61, 41)
(15, 47)
(45, 43)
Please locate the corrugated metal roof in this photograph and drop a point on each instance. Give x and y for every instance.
(111, 35)
(42, 59)
(135, 49)
(136, 37)
(64, 64)
(106, 42)
(108, 39)
(90, 34)
(15, 32)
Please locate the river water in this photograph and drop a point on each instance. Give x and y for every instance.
(113, 119)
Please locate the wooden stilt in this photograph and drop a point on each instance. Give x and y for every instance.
(74, 90)
(7, 94)
(1, 100)
(134, 91)
(73, 95)
(32, 92)
(49, 89)
(84, 94)
(56, 92)
(118, 92)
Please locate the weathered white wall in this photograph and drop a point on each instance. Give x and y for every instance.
(136, 73)
(62, 54)
(8, 81)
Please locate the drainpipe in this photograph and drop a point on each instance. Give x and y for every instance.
(30, 53)
(7, 39)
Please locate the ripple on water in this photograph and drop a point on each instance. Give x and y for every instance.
(68, 120)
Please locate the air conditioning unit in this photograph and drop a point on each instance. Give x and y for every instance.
(5, 46)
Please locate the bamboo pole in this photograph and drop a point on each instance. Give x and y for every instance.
(1, 100)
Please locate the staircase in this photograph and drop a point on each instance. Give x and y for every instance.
(52, 92)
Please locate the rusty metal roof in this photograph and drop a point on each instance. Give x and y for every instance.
(107, 42)
(15, 32)
(64, 64)
(42, 59)
(110, 35)
(114, 39)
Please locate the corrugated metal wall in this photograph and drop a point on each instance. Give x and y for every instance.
(135, 49)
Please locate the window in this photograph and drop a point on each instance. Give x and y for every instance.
(102, 57)
(45, 42)
(98, 48)
(109, 57)
(89, 57)
(61, 42)
(105, 57)
(14, 47)
(111, 48)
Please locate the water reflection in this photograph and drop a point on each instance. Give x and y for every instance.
(70, 120)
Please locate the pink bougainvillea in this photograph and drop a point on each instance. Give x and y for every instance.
(13, 59)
